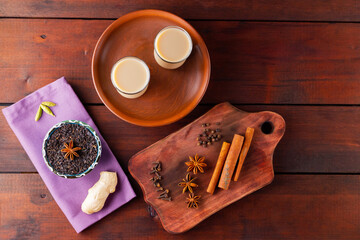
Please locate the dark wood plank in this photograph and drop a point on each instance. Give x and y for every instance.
(317, 139)
(252, 62)
(292, 207)
(36, 52)
(308, 10)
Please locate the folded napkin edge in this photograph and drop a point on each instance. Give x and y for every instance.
(22, 126)
(21, 105)
(79, 229)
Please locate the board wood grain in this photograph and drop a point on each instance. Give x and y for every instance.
(296, 63)
(319, 139)
(292, 207)
(284, 10)
(173, 151)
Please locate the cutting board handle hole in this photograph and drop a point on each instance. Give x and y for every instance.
(267, 127)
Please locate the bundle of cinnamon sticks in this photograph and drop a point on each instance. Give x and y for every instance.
(230, 155)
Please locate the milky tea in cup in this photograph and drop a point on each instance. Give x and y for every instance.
(172, 46)
(130, 76)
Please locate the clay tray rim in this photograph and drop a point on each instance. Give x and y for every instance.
(102, 40)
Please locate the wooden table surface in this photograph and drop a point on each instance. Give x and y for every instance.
(298, 58)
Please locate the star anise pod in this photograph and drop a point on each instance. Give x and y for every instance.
(187, 183)
(70, 150)
(192, 201)
(196, 164)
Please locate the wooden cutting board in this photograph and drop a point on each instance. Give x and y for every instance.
(173, 152)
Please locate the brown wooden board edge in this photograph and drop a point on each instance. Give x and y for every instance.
(196, 120)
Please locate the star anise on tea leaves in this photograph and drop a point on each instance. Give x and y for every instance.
(187, 183)
(70, 151)
(192, 201)
(196, 164)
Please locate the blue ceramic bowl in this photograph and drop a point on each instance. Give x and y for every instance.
(97, 139)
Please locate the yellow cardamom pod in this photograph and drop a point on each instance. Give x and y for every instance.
(38, 114)
(47, 110)
(49, 104)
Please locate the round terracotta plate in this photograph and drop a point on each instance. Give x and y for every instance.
(171, 94)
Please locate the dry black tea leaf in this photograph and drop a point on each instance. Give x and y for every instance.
(81, 138)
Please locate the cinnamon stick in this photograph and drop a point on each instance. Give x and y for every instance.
(248, 138)
(219, 165)
(230, 162)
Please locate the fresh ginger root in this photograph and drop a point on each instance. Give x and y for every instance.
(98, 193)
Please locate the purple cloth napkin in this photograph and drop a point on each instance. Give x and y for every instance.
(68, 193)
